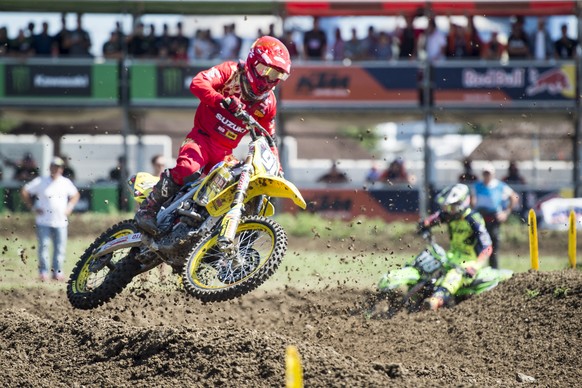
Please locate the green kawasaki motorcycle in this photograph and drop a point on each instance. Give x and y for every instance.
(408, 287)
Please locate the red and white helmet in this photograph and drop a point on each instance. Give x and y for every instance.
(267, 64)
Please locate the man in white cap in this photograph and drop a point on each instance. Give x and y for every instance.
(52, 198)
(495, 200)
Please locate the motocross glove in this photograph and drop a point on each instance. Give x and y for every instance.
(232, 104)
(470, 271)
(421, 228)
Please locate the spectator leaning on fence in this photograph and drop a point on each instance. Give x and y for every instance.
(467, 176)
(456, 44)
(513, 176)
(472, 39)
(407, 38)
(517, 43)
(565, 47)
(334, 175)
(435, 42)
(494, 49)
(541, 44)
(315, 42)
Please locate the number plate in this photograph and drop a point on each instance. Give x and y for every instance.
(427, 263)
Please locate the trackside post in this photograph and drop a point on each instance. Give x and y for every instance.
(533, 240)
(293, 369)
(572, 239)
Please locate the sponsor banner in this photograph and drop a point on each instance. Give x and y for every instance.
(556, 212)
(162, 85)
(346, 204)
(28, 80)
(174, 81)
(466, 85)
(49, 83)
(395, 85)
(308, 85)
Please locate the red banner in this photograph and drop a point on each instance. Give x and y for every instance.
(461, 7)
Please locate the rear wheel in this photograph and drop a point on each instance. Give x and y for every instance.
(212, 276)
(96, 280)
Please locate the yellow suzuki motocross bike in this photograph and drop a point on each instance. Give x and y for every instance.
(216, 232)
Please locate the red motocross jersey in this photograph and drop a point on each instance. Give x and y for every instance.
(211, 87)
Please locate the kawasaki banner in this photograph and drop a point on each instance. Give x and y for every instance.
(42, 83)
(53, 81)
(518, 84)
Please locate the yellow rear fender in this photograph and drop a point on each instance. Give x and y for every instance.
(258, 185)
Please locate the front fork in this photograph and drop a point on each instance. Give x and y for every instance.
(231, 220)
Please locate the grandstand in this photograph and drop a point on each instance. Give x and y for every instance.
(326, 105)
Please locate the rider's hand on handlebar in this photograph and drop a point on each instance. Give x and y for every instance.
(470, 271)
(421, 228)
(232, 104)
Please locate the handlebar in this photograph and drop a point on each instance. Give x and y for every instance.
(425, 232)
(252, 123)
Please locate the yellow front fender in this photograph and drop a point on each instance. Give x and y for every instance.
(258, 185)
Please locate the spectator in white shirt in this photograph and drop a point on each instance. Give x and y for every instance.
(52, 198)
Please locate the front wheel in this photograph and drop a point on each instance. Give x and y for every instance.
(95, 280)
(213, 276)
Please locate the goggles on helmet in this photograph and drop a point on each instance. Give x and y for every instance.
(451, 209)
(270, 73)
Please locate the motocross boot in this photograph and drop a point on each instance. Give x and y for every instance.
(161, 192)
(440, 298)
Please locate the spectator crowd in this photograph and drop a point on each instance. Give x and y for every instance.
(405, 42)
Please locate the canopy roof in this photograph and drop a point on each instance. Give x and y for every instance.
(294, 8)
(459, 7)
(187, 7)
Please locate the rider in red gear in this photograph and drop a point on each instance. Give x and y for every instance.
(222, 90)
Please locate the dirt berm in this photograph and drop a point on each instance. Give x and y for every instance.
(526, 330)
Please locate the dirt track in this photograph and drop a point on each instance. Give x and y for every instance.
(167, 339)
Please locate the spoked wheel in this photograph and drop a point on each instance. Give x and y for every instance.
(213, 276)
(95, 280)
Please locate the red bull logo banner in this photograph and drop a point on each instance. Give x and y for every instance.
(504, 86)
(389, 85)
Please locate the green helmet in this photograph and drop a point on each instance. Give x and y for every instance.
(454, 200)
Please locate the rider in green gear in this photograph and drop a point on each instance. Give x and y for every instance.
(470, 244)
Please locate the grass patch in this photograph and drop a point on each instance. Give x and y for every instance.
(304, 269)
(323, 253)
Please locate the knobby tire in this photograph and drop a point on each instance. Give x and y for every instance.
(114, 281)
